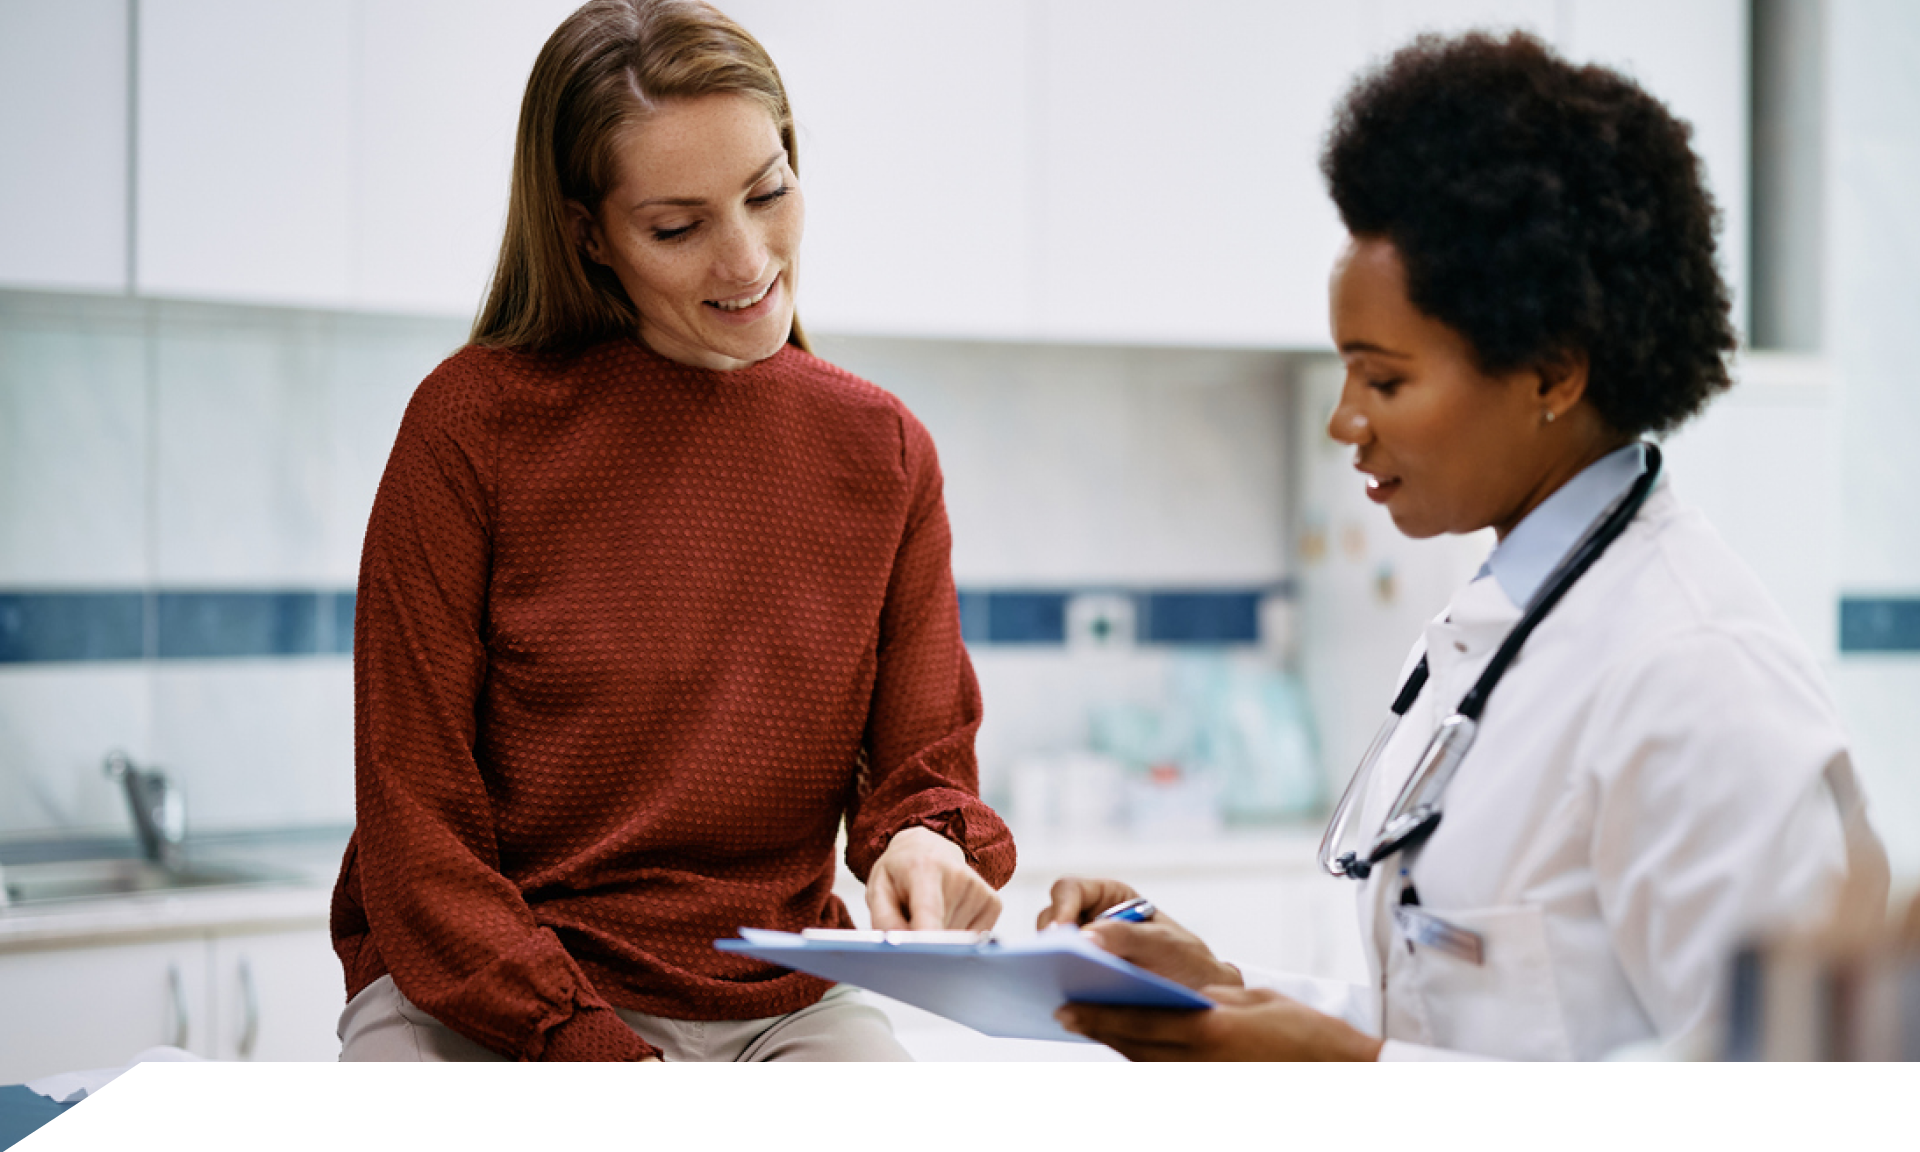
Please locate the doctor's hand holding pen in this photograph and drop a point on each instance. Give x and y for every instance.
(1244, 1024)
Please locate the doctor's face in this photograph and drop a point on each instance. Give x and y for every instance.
(702, 227)
(1445, 446)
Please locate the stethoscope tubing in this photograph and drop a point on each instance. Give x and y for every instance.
(1415, 813)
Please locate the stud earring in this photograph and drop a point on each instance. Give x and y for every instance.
(1547, 416)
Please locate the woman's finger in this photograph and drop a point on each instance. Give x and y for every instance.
(883, 905)
(978, 907)
(927, 897)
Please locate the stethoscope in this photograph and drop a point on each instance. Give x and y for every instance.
(1416, 810)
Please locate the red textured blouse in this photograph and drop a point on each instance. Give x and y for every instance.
(632, 639)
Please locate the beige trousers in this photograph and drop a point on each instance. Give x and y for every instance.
(382, 1024)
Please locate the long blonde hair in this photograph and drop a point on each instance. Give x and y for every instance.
(600, 72)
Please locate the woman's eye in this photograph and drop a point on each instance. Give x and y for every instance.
(774, 196)
(1384, 387)
(672, 233)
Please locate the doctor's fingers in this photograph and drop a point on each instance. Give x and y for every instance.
(1142, 1033)
(1162, 945)
(1078, 899)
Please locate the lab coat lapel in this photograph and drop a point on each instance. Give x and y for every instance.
(1459, 643)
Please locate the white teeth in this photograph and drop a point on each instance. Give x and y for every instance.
(737, 305)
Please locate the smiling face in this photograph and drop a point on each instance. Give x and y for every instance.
(1446, 446)
(702, 228)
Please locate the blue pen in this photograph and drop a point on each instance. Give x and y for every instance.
(1132, 911)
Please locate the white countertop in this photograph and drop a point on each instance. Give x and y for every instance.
(310, 860)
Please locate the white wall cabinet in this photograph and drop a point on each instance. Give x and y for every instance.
(77, 1008)
(345, 154)
(259, 995)
(1116, 171)
(1073, 170)
(245, 151)
(63, 145)
(274, 996)
(917, 149)
(436, 100)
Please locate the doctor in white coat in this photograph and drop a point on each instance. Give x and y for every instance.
(1530, 288)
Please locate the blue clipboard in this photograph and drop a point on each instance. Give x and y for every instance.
(1001, 989)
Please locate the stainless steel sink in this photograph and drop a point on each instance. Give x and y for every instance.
(51, 880)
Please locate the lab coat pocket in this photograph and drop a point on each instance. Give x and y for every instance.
(1507, 1004)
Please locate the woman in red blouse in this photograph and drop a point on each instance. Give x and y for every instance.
(651, 602)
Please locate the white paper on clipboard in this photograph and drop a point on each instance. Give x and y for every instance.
(1001, 989)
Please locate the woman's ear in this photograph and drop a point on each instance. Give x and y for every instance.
(1563, 380)
(586, 231)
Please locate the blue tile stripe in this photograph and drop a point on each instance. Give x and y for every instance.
(1879, 624)
(1198, 617)
(1183, 616)
(50, 627)
(46, 627)
(200, 625)
(1013, 616)
(72, 626)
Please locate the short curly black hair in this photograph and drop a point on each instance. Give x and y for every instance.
(1540, 208)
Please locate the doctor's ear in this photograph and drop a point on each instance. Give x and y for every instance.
(586, 231)
(1563, 378)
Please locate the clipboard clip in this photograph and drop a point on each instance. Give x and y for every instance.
(895, 936)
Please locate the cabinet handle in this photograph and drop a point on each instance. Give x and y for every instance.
(250, 1009)
(177, 1002)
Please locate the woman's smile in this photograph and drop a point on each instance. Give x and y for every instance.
(703, 231)
(744, 302)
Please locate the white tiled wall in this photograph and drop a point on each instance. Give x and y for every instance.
(197, 447)
(57, 723)
(1875, 272)
(73, 444)
(194, 447)
(1071, 464)
(240, 476)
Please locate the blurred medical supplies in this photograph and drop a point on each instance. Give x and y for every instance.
(1231, 743)
(1848, 989)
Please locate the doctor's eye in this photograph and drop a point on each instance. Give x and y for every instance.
(1386, 387)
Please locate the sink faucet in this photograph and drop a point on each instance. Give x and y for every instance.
(159, 811)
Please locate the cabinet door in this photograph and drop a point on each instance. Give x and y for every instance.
(918, 158)
(63, 134)
(437, 98)
(1181, 194)
(276, 996)
(1694, 57)
(72, 1009)
(245, 151)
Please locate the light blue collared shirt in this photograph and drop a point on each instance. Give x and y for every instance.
(1522, 562)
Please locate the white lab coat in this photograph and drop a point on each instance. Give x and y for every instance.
(1659, 775)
